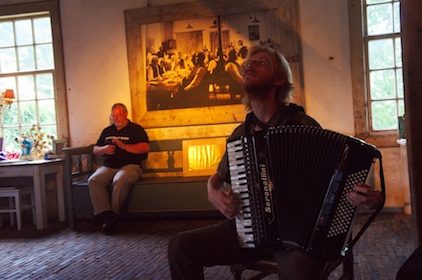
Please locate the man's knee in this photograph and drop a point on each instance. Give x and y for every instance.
(186, 246)
(297, 263)
(93, 181)
(123, 182)
(97, 177)
(177, 243)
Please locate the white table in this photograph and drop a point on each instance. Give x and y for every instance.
(38, 169)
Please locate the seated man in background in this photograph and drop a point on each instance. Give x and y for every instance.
(123, 146)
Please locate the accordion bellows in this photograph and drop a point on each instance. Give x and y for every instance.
(293, 182)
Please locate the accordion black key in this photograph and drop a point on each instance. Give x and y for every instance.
(293, 182)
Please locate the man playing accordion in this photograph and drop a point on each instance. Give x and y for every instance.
(267, 82)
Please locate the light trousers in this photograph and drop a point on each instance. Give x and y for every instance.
(121, 180)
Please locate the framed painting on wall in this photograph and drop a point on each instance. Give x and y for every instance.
(185, 59)
(253, 32)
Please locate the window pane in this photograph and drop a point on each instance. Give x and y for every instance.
(396, 7)
(9, 143)
(397, 42)
(376, 1)
(7, 38)
(380, 19)
(50, 130)
(23, 32)
(26, 87)
(47, 111)
(45, 57)
(8, 60)
(382, 84)
(381, 54)
(27, 130)
(42, 30)
(26, 58)
(10, 115)
(28, 113)
(8, 82)
(401, 107)
(384, 115)
(400, 84)
(45, 86)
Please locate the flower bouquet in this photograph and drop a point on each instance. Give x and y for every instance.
(34, 143)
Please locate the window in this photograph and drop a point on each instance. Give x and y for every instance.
(377, 75)
(384, 63)
(27, 67)
(31, 64)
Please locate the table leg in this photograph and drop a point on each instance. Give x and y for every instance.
(60, 193)
(39, 196)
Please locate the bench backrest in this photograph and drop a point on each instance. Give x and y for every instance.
(164, 159)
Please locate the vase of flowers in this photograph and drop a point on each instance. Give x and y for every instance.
(34, 143)
(26, 145)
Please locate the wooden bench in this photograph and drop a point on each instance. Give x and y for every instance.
(162, 192)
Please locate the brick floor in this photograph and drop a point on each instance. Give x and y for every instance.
(138, 250)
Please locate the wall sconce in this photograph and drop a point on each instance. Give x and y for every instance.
(7, 97)
(255, 20)
(214, 24)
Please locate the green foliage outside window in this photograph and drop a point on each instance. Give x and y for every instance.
(384, 62)
(27, 67)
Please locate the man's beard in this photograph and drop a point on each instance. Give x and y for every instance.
(258, 91)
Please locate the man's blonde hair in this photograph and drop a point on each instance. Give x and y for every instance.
(281, 67)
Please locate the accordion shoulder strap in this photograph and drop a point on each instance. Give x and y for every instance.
(284, 115)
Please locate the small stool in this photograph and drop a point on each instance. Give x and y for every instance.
(15, 205)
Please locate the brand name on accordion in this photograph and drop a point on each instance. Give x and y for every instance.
(266, 187)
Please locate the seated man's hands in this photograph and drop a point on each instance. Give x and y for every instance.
(119, 144)
(109, 149)
(364, 196)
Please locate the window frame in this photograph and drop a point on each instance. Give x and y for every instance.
(361, 103)
(52, 7)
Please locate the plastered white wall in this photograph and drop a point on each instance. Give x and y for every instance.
(97, 70)
(96, 64)
(326, 63)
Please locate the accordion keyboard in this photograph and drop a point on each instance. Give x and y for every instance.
(240, 187)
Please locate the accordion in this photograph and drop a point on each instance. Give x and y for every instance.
(293, 182)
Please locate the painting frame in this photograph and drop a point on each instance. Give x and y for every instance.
(284, 12)
(253, 31)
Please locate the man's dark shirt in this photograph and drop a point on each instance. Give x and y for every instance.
(131, 134)
(291, 114)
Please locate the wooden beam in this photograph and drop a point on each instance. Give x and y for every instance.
(411, 23)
